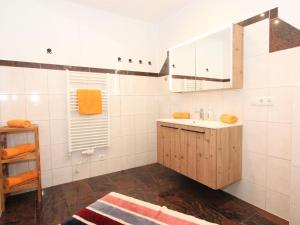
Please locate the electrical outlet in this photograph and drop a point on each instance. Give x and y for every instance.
(262, 101)
(268, 101)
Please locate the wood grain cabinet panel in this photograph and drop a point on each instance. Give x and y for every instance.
(175, 150)
(168, 146)
(213, 157)
(206, 158)
(183, 163)
(229, 156)
(160, 145)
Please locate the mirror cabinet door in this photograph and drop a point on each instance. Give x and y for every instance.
(183, 68)
(213, 60)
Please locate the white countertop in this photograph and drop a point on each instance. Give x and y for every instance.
(200, 123)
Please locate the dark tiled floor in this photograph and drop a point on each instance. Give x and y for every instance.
(152, 183)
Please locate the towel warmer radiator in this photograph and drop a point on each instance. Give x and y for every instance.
(87, 132)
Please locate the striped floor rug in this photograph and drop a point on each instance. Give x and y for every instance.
(116, 209)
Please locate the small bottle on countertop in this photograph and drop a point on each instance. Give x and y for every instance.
(209, 114)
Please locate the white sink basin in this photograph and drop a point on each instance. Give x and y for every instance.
(199, 123)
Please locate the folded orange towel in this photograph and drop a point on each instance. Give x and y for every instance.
(181, 115)
(19, 123)
(230, 119)
(17, 150)
(20, 179)
(89, 102)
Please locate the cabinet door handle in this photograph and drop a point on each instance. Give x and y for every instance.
(199, 132)
(175, 128)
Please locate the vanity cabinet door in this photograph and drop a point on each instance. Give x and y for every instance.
(191, 155)
(183, 168)
(229, 157)
(167, 140)
(160, 145)
(206, 158)
(175, 150)
(168, 144)
(188, 154)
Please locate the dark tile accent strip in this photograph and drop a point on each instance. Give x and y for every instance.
(274, 13)
(77, 68)
(101, 70)
(255, 19)
(74, 68)
(165, 68)
(283, 35)
(52, 67)
(200, 78)
(19, 64)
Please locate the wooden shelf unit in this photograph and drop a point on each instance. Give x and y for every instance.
(35, 155)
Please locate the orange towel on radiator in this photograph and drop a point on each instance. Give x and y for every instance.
(17, 150)
(20, 179)
(89, 102)
(19, 123)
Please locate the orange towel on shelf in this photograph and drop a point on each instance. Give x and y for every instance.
(89, 102)
(17, 150)
(18, 123)
(20, 179)
(181, 115)
(230, 119)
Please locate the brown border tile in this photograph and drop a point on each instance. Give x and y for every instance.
(255, 19)
(283, 36)
(274, 13)
(74, 68)
(101, 70)
(52, 67)
(165, 68)
(19, 64)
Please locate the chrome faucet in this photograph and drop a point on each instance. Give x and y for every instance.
(201, 113)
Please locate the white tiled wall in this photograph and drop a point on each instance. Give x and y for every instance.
(40, 95)
(271, 147)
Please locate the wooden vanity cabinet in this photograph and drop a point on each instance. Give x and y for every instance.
(212, 157)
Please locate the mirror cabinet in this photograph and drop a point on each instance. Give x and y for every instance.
(213, 61)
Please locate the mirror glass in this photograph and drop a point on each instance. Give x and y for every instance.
(202, 64)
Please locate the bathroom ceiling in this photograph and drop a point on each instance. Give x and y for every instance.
(147, 10)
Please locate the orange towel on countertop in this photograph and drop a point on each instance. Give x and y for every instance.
(230, 119)
(19, 123)
(20, 179)
(17, 150)
(89, 102)
(181, 115)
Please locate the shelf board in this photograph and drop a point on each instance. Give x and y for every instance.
(26, 186)
(20, 158)
(16, 130)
